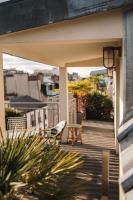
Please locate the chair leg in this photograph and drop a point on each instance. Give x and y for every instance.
(68, 135)
(73, 137)
(61, 136)
(81, 138)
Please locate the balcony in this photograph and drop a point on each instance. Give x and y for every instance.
(98, 138)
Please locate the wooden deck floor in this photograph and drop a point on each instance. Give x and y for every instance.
(97, 136)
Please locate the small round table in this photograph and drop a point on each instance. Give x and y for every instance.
(74, 133)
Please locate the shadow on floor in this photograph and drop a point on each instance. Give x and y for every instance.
(87, 178)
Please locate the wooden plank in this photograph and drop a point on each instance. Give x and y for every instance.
(105, 173)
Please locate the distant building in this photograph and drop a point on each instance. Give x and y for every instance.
(11, 71)
(34, 84)
(99, 72)
(16, 84)
(48, 89)
(55, 71)
(73, 77)
(55, 78)
(45, 72)
(21, 84)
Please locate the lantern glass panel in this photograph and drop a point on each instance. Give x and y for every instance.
(108, 63)
(105, 54)
(108, 57)
(110, 54)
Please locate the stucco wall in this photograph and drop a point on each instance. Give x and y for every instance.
(10, 85)
(21, 84)
(35, 89)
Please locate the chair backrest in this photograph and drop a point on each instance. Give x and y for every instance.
(58, 129)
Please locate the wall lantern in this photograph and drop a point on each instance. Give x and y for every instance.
(109, 58)
(110, 72)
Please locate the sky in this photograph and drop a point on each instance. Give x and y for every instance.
(30, 66)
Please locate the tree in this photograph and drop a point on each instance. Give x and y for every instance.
(80, 87)
(96, 80)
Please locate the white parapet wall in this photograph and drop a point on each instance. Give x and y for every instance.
(38, 119)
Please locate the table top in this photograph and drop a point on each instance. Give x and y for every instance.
(74, 126)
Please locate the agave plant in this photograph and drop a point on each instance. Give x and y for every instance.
(31, 163)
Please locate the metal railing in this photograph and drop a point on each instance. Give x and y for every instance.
(38, 115)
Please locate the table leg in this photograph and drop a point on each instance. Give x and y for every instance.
(73, 137)
(68, 135)
(80, 134)
(76, 134)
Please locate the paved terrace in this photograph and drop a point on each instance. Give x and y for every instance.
(97, 136)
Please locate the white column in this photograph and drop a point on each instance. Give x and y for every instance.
(64, 113)
(122, 115)
(2, 106)
(122, 103)
(116, 104)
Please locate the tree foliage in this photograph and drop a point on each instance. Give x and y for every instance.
(9, 112)
(80, 87)
(98, 106)
(96, 79)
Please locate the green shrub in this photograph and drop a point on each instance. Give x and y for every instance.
(98, 106)
(9, 112)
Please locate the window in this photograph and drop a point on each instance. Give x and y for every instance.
(50, 87)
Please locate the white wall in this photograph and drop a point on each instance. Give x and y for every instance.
(21, 84)
(10, 85)
(34, 89)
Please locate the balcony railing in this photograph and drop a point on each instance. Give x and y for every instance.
(38, 115)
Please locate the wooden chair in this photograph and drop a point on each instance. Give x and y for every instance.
(55, 132)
